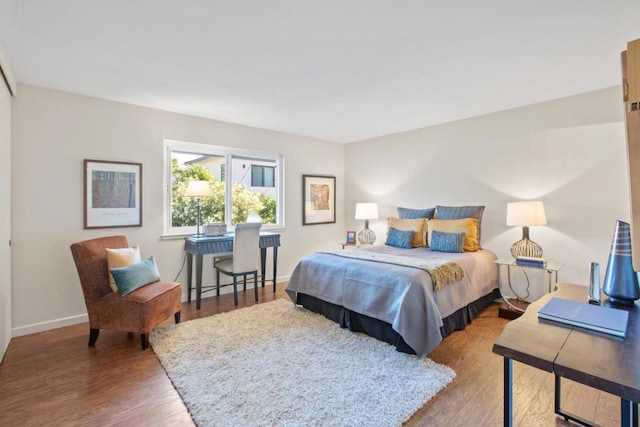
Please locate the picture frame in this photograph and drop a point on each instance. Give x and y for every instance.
(318, 199)
(351, 237)
(112, 194)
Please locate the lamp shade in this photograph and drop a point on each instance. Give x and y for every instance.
(366, 211)
(525, 214)
(198, 189)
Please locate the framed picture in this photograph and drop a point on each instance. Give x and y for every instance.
(318, 199)
(351, 237)
(112, 194)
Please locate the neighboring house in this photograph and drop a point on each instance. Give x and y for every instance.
(257, 176)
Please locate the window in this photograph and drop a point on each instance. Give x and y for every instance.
(241, 182)
(262, 176)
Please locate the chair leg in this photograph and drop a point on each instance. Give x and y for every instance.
(217, 282)
(144, 338)
(177, 317)
(93, 336)
(255, 284)
(244, 282)
(235, 290)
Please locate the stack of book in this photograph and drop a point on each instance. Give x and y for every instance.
(527, 261)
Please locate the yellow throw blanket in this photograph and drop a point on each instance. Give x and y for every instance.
(442, 272)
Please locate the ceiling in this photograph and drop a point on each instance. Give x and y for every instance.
(337, 70)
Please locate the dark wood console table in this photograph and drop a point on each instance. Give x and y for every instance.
(597, 360)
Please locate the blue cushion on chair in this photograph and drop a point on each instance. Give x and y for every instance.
(447, 242)
(134, 276)
(398, 238)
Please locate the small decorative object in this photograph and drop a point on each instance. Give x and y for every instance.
(366, 211)
(112, 194)
(525, 215)
(318, 199)
(198, 189)
(594, 283)
(351, 237)
(212, 229)
(620, 280)
(254, 217)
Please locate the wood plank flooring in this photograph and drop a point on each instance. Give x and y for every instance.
(53, 379)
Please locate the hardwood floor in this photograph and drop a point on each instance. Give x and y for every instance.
(53, 379)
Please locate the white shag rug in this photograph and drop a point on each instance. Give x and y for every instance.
(274, 364)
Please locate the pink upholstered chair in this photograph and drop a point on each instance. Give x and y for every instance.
(139, 311)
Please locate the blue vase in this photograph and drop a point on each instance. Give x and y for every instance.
(620, 281)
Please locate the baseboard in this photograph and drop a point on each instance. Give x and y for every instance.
(82, 318)
(51, 324)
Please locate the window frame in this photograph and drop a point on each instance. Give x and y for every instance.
(229, 153)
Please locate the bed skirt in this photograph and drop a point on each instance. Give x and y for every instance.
(381, 330)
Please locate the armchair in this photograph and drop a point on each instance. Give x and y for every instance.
(139, 311)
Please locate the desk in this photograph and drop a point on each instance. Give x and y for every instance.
(200, 246)
(606, 363)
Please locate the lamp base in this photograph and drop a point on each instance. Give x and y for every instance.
(366, 237)
(526, 247)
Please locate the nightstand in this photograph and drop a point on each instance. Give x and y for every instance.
(517, 296)
(347, 245)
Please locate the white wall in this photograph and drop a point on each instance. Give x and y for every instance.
(570, 153)
(54, 131)
(5, 202)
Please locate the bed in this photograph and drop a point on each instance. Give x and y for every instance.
(397, 294)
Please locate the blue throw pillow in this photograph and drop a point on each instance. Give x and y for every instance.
(460, 212)
(407, 213)
(135, 276)
(447, 242)
(399, 238)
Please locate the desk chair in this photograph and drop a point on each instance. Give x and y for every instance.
(244, 260)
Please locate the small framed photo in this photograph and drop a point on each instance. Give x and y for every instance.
(112, 194)
(318, 199)
(351, 237)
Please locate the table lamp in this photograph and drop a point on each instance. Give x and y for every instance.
(525, 215)
(366, 211)
(198, 189)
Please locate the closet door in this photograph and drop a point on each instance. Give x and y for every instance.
(5, 213)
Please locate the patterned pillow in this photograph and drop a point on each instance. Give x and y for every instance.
(469, 226)
(135, 276)
(418, 226)
(406, 213)
(459, 212)
(399, 238)
(447, 242)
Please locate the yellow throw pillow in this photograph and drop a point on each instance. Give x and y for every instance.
(418, 226)
(122, 257)
(468, 226)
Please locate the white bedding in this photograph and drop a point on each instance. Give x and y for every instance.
(401, 296)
